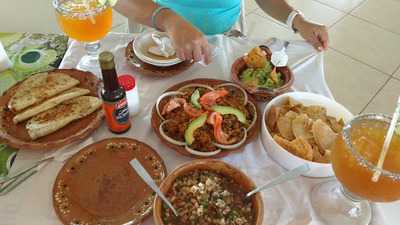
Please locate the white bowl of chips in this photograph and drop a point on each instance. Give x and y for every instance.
(311, 128)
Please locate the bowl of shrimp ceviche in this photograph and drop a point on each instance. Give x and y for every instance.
(205, 118)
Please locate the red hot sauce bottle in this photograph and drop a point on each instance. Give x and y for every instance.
(115, 105)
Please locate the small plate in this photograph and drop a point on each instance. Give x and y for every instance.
(151, 70)
(98, 186)
(140, 47)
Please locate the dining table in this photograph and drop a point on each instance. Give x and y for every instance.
(288, 203)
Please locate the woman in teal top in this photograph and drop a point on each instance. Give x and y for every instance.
(187, 21)
(209, 16)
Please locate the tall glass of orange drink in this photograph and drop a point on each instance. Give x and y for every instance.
(354, 158)
(87, 21)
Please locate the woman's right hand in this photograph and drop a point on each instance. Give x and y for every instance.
(189, 42)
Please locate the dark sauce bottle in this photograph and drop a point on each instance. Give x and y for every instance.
(115, 105)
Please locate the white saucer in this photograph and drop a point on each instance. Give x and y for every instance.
(145, 39)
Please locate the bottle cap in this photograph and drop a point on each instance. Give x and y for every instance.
(127, 81)
(106, 60)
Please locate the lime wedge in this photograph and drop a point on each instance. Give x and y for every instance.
(398, 129)
(109, 2)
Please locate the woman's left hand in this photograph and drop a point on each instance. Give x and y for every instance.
(315, 34)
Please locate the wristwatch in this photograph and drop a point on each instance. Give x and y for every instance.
(290, 19)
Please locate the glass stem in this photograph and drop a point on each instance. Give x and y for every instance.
(92, 48)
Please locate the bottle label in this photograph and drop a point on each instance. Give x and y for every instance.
(117, 115)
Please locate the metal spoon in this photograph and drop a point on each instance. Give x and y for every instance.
(141, 171)
(289, 175)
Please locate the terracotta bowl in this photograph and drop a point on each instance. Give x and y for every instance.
(216, 166)
(262, 95)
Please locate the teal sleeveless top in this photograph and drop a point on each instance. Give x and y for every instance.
(209, 16)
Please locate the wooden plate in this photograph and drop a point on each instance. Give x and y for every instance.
(17, 136)
(98, 186)
(150, 70)
(156, 121)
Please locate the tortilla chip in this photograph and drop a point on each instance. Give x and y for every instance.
(303, 148)
(284, 125)
(300, 127)
(324, 136)
(273, 117)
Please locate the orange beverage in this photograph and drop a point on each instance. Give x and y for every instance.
(367, 138)
(84, 20)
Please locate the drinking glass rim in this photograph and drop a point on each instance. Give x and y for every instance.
(100, 8)
(364, 162)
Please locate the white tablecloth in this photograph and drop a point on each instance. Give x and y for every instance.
(31, 203)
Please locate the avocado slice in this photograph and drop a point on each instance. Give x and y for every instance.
(230, 110)
(193, 126)
(194, 99)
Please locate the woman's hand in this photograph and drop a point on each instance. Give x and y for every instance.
(315, 34)
(188, 41)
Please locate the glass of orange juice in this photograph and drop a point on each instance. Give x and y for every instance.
(87, 21)
(354, 158)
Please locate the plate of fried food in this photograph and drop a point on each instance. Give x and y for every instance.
(259, 76)
(205, 118)
(302, 127)
(51, 109)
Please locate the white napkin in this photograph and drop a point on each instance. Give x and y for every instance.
(5, 62)
(164, 46)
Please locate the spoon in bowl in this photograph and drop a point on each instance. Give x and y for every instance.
(141, 171)
(289, 175)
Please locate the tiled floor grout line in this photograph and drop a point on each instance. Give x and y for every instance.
(358, 60)
(372, 98)
(358, 5)
(397, 69)
(374, 24)
(339, 20)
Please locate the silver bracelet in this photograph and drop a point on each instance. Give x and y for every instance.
(154, 17)
(290, 19)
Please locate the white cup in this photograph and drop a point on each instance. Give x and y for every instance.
(5, 62)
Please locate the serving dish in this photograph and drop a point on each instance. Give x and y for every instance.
(262, 94)
(214, 166)
(221, 119)
(285, 158)
(16, 135)
(97, 185)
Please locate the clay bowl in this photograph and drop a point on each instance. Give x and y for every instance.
(156, 121)
(216, 166)
(151, 70)
(262, 95)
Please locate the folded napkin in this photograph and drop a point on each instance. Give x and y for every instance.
(163, 45)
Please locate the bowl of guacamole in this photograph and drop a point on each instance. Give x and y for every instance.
(259, 77)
